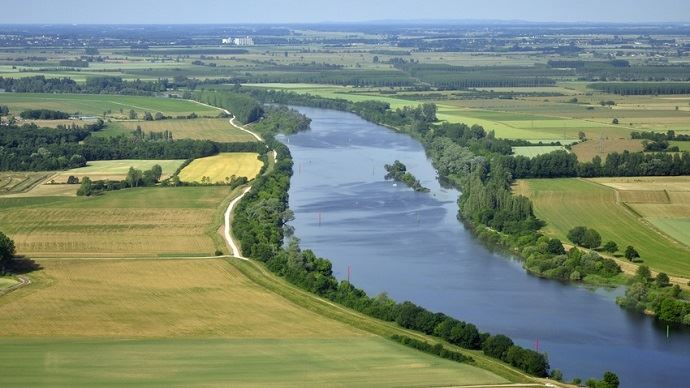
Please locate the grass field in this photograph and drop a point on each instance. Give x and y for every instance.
(129, 223)
(587, 150)
(566, 203)
(101, 322)
(532, 151)
(117, 169)
(6, 283)
(89, 104)
(204, 129)
(221, 167)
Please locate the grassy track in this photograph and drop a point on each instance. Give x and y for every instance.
(566, 203)
(105, 321)
(88, 104)
(532, 151)
(127, 223)
(203, 129)
(222, 166)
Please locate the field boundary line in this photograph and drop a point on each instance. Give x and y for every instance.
(23, 281)
(232, 120)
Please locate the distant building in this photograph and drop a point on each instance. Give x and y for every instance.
(246, 41)
(227, 41)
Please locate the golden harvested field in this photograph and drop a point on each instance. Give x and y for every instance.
(116, 169)
(587, 150)
(129, 223)
(204, 129)
(156, 298)
(221, 167)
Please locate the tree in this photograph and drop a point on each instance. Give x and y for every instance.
(497, 346)
(132, 114)
(576, 234)
(72, 180)
(591, 239)
(159, 116)
(555, 247)
(610, 380)
(610, 247)
(134, 177)
(614, 121)
(86, 187)
(643, 272)
(662, 280)
(630, 253)
(7, 251)
(148, 116)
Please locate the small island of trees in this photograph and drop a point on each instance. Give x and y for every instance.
(398, 172)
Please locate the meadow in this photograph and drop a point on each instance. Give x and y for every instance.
(532, 151)
(143, 222)
(587, 150)
(222, 167)
(105, 320)
(566, 203)
(116, 169)
(218, 130)
(95, 105)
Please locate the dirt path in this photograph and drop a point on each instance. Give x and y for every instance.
(232, 120)
(226, 229)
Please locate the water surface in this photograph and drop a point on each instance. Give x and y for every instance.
(411, 246)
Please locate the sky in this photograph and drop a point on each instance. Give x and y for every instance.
(313, 11)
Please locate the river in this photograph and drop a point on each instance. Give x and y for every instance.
(411, 246)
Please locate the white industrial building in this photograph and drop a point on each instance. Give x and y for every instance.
(245, 41)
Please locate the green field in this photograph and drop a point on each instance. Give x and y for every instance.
(20, 182)
(567, 203)
(117, 169)
(95, 105)
(222, 167)
(128, 223)
(203, 129)
(101, 322)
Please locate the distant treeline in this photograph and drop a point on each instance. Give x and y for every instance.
(658, 136)
(93, 85)
(459, 77)
(73, 63)
(244, 108)
(639, 88)
(43, 114)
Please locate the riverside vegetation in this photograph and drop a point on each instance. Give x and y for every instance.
(398, 172)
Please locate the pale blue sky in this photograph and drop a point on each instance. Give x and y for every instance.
(300, 11)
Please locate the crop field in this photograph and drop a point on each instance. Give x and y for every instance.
(145, 222)
(532, 151)
(105, 321)
(117, 169)
(221, 167)
(96, 105)
(566, 203)
(664, 202)
(20, 182)
(587, 150)
(204, 129)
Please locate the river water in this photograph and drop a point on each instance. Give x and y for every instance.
(411, 246)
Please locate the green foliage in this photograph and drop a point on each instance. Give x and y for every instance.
(426, 347)
(630, 253)
(662, 280)
(588, 238)
(7, 251)
(245, 108)
(646, 88)
(555, 247)
(281, 119)
(43, 114)
(398, 172)
(610, 247)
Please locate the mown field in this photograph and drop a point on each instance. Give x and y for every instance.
(96, 105)
(566, 203)
(116, 169)
(129, 223)
(101, 322)
(587, 150)
(221, 167)
(204, 129)
(20, 182)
